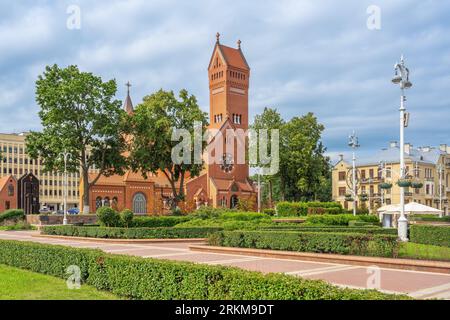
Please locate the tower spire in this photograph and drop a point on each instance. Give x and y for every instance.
(128, 106)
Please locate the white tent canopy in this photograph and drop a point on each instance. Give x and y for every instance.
(410, 208)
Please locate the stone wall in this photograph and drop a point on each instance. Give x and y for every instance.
(53, 219)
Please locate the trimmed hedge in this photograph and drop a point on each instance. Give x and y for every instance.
(340, 219)
(128, 233)
(286, 209)
(12, 214)
(340, 229)
(159, 221)
(320, 210)
(434, 235)
(139, 278)
(321, 242)
(244, 216)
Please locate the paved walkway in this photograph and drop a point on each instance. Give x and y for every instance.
(415, 283)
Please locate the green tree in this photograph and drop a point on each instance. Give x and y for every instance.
(270, 119)
(151, 127)
(304, 170)
(79, 115)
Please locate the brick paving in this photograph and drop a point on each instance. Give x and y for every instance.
(418, 284)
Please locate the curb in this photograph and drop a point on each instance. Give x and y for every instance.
(404, 264)
(107, 240)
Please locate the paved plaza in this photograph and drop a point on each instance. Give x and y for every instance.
(417, 284)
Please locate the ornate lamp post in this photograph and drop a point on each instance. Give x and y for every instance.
(66, 156)
(353, 143)
(401, 78)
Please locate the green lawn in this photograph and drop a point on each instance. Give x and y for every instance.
(18, 284)
(423, 251)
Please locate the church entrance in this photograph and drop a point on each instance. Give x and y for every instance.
(139, 204)
(234, 201)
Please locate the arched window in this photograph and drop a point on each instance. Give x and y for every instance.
(98, 202)
(139, 203)
(114, 203)
(233, 201)
(106, 202)
(10, 190)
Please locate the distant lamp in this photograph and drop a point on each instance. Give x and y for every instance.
(396, 79)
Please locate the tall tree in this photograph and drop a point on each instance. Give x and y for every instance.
(151, 144)
(270, 119)
(79, 115)
(303, 166)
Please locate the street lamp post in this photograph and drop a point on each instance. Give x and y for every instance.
(259, 190)
(401, 77)
(66, 156)
(440, 171)
(353, 143)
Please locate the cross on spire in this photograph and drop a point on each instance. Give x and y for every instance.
(218, 37)
(128, 84)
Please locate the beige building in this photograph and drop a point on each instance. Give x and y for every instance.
(15, 161)
(427, 170)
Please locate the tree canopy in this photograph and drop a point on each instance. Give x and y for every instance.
(151, 144)
(79, 115)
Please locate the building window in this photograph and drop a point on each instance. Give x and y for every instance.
(139, 203)
(341, 175)
(10, 190)
(98, 202)
(106, 202)
(342, 191)
(371, 173)
(363, 174)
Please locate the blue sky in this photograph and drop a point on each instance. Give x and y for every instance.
(317, 56)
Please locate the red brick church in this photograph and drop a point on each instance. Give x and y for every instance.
(220, 184)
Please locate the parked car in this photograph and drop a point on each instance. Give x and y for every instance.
(44, 210)
(73, 211)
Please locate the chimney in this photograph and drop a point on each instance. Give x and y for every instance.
(341, 157)
(443, 147)
(408, 148)
(393, 144)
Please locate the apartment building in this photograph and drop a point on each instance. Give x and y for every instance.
(427, 171)
(15, 161)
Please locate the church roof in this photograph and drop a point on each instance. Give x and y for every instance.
(233, 57)
(4, 181)
(130, 176)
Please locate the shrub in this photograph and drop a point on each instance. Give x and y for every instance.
(339, 219)
(320, 242)
(108, 217)
(311, 228)
(320, 210)
(139, 278)
(12, 214)
(359, 223)
(207, 212)
(269, 211)
(434, 235)
(286, 209)
(159, 221)
(126, 218)
(246, 204)
(129, 233)
(427, 217)
(243, 216)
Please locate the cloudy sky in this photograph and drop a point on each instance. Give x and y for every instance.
(317, 56)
